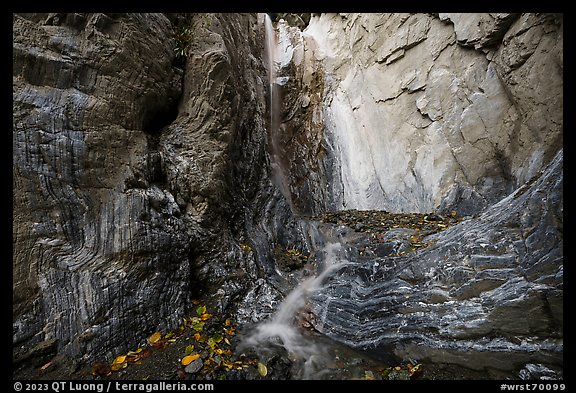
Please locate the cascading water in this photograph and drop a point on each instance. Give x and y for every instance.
(275, 106)
(284, 333)
(285, 327)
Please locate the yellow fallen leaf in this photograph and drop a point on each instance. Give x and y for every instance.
(120, 359)
(186, 360)
(262, 369)
(118, 366)
(205, 316)
(154, 338)
(189, 349)
(228, 322)
(133, 353)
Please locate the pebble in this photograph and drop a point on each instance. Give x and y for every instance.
(195, 366)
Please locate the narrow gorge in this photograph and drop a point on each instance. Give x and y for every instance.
(385, 184)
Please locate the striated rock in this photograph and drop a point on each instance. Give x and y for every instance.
(467, 298)
(97, 235)
(134, 179)
(142, 179)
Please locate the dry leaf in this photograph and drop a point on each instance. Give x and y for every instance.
(205, 316)
(186, 360)
(118, 366)
(262, 369)
(46, 366)
(120, 359)
(134, 353)
(154, 338)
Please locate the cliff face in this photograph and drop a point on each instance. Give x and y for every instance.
(419, 112)
(130, 174)
(143, 180)
(454, 112)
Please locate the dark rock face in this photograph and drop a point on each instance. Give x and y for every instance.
(97, 238)
(131, 176)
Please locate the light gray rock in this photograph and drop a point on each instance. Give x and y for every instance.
(411, 118)
(195, 366)
(479, 30)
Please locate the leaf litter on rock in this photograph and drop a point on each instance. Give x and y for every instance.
(214, 345)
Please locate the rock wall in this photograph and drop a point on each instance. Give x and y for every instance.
(487, 294)
(93, 253)
(420, 113)
(141, 180)
(417, 112)
(133, 177)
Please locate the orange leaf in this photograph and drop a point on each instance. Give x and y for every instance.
(154, 338)
(186, 360)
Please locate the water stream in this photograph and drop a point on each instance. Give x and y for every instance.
(284, 328)
(275, 150)
(310, 354)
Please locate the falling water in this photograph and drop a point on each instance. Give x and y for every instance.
(275, 106)
(284, 323)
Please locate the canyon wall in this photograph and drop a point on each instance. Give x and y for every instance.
(134, 171)
(418, 112)
(142, 178)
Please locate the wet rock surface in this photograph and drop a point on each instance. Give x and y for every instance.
(483, 294)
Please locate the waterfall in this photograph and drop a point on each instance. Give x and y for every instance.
(275, 149)
(284, 324)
